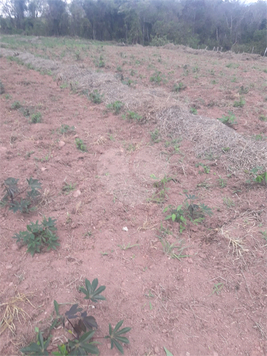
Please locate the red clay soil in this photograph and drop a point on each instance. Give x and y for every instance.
(210, 302)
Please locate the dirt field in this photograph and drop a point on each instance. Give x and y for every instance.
(197, 292)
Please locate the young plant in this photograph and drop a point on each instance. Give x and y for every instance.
(115, 336)
(66, 129)
(179, 87)
(156, 77)
(176, 215)
(259, 175)
(91, 292)
(38, 236)
(16, 105)
(188, 211)
(193, 111)
(82, 327)
(155, 136)
(239, 103)
(36, 118)
(12, 192)
(263, 118)
(206, 169)
(96, 97)
(228, 120)
(116, 107)
(2, 88)
(131, 115)
(37, 348)
(80, 144)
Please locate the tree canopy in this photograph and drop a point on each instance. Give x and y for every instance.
(197, 23)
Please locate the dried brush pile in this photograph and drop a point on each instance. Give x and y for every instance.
(211, 138)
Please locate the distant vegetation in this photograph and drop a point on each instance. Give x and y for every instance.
(227, 24)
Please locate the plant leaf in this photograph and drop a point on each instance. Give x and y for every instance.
(168, 353)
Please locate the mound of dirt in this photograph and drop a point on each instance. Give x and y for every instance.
(212, 138)
(108, 85)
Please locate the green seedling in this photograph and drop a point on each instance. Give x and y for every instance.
(24, 205)
(206, 169)
(188, 211)
(67, 188)
(127, 247)
(96, 97)
(2, 88)
(16, 105)
(239, 103)
(115, 336)
(263, 118)
(36, 118)
(259, 175)
(92, 292)
(66, 129)
(228, 202)
(168, 353)
(116, 107)
(173, 250)
(222, 182)
(155, 136)
(37, 236)
(179, 87)
(217, 288)
(80, 144)
(131, 115)
(264, 235)
(193, 111)
(156, 77)
(229, 120)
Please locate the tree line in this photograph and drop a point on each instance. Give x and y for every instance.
(227, 24)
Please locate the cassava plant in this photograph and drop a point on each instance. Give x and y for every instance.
(37, 236)
(11, 197)
(82, 328)
(187, 212)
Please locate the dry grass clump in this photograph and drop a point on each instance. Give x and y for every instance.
(211, 138)
(11, 311)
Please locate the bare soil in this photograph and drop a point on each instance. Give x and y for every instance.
(212, 300)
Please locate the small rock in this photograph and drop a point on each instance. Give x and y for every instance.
(43, 169)
(156, 350)
(61, 144)
(125, 228)
(77, 193)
